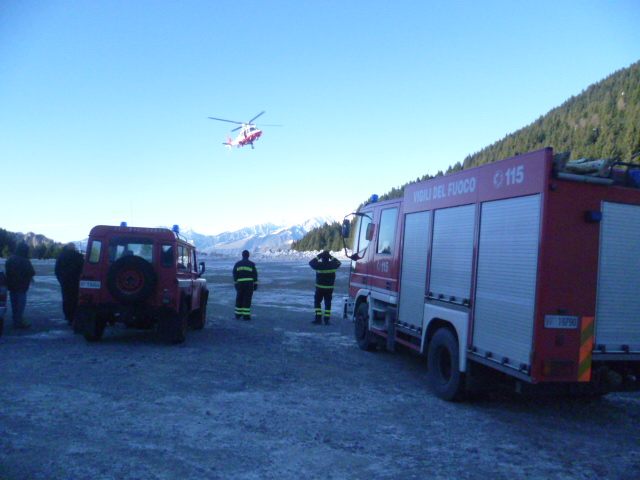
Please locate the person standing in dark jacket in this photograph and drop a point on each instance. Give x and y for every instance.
(325, 266)
(3, 300)
(68, 270)
(19, 273)
(245, 277)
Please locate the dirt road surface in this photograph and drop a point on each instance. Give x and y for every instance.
(274, 398)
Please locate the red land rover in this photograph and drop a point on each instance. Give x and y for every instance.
(142, 277)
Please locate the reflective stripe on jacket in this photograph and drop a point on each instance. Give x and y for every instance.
(325, 270)
(245, 271)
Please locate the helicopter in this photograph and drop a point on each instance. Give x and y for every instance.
(249, 134)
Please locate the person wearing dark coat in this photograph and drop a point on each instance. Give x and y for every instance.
(68, 270)
(325, 266)
(245, 278)
(19, 274)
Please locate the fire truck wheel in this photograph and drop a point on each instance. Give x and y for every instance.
(198, 317)
(173, 325)
(363, 334)
(444, 376)
(91, 323)
(131, 280)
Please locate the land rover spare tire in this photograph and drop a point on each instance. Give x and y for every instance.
(131, 280)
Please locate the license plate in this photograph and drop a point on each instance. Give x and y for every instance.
(560, 321)
(89, 284)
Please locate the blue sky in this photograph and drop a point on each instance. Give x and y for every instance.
(104, 105)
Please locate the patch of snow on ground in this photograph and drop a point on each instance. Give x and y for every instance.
(280, 256)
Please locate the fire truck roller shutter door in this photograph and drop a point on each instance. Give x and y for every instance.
(617, 307)
(452, 255)
(506, 278)
(414, 267)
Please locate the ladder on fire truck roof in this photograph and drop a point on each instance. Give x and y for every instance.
(606, 171)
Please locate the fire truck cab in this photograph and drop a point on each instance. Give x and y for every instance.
(524, 270)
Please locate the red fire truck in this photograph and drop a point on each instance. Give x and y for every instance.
(524, 271)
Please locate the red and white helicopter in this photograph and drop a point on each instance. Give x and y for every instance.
(249, 134)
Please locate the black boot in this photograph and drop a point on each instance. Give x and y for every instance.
(326, 321)
(318, 320)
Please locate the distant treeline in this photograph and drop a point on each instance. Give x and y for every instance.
(325, 237)
(40, 246)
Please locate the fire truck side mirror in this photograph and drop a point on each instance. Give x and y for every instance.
(370, 229)
(346, 228)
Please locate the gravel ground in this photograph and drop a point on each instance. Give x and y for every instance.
(274, 398)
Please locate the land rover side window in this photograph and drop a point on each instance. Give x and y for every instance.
(194, 263)
(125, 246)
(94, 251)
(184, 260)
(168, 257)
(361, 243)
(387, 233)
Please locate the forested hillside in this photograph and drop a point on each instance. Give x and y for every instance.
(325, 237)
(601, 122)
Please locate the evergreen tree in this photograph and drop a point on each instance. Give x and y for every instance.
(325, 237)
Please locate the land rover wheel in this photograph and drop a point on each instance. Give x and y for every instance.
(198, 317)
(91, 323)
(173, 325)
(131, 280)
(444, 376)
(79, 319)
(363, 334)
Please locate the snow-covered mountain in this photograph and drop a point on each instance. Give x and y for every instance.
(266, 237)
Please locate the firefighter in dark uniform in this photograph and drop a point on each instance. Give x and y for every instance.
(245, 277)
(325, 266)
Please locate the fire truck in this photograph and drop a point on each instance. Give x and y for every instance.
(522, 272)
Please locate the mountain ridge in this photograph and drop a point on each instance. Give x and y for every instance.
(260, 238)
(265, 237)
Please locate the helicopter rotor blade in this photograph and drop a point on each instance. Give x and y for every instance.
(255, 117)
(236, 129)
(223, 120)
